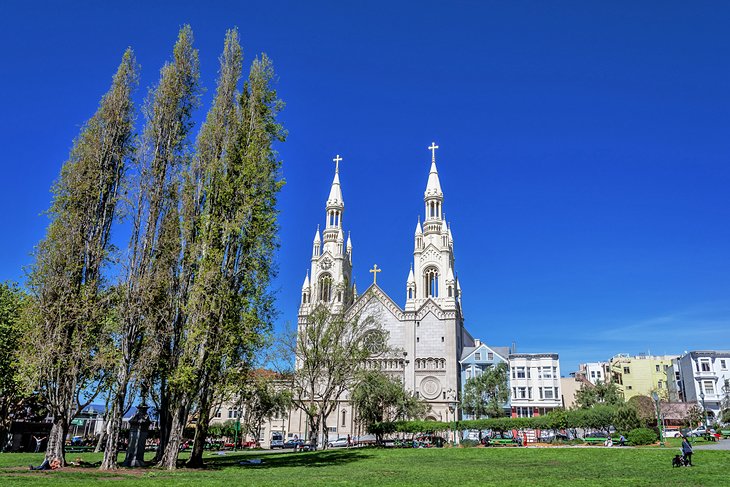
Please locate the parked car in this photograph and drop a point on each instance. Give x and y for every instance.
(699, 431)
(429, 441)
(339, 442)
(277, 440)
(294, 443)
(555, 437)
(672, 433)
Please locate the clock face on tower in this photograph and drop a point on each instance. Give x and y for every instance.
(326, 263)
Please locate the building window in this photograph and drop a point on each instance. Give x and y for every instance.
(325, 288)
(410, 294)
(520, 372)
(657, 368)
(547, 372)
(418, 339)
(232, 413)
(627, 370)
(709, 387)
(548, 393)
(431, 278)
(477, 356)
(218, 413)
(442, 339)
(723, 365)
(705, 365)
(521, 392)
(628, 388)
(490, 356)
(343, 417)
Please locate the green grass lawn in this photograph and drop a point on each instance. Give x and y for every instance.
(421, 467)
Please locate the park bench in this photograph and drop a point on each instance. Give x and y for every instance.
(79, 449)
(725, 433)
(594, 441)
(502, 442)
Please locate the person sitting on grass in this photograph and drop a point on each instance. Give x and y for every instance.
(54, 464)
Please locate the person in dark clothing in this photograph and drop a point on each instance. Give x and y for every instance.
(46, 465)
(687, 451)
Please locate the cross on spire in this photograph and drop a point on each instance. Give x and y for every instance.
(375, 271)
(433, 148)
(337, 160)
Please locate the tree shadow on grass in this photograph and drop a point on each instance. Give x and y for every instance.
(325, 458)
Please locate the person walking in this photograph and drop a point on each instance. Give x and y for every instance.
(687, 451)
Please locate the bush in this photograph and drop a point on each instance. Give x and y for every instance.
(642, 436)
(469, 443)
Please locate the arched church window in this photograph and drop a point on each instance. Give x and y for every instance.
(325, 287)
(451, 292)
(343, 418)
(410, 294)
(431, 277)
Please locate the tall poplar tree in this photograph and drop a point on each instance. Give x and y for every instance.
(149, 310)
(12, 300)
(62, 348)
(229, 305)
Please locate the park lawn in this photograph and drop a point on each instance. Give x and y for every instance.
(361, 467)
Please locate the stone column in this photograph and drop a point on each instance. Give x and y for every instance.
(138, 427)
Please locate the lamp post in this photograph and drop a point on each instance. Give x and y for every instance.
(704, 411)
(452, 410)
(655, 396)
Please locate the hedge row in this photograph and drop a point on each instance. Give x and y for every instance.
(597, 417)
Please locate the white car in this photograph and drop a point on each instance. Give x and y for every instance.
(337, 442)
(672, 433)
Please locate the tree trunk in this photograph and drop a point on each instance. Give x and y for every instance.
(174, 440)
(164, 423)
(201, 433)
(101, 442)
(57, 441)
(112, 440)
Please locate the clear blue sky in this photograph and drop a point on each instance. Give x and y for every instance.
(584, 147)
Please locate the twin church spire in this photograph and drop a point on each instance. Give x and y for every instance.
(431, 275)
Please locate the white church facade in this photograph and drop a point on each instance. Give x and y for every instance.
(426, 337)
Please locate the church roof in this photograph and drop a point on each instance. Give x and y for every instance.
(410, 276)
(306, 282)
(419, 230)
(316, 236)
(433, 187)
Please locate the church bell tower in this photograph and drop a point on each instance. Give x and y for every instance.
(432, 273)
(329, 280)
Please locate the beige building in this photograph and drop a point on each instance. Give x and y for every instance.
(569, 386)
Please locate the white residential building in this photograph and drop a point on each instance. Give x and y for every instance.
(702, 377)
(535, 383)
(594, 371)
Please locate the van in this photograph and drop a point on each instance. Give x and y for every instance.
(277, 440)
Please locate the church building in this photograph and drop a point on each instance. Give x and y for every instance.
(425, 337)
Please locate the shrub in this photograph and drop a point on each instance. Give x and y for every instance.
(469, 443)
(642, 436)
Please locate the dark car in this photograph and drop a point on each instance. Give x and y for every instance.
(596, 434)
(293, 443)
